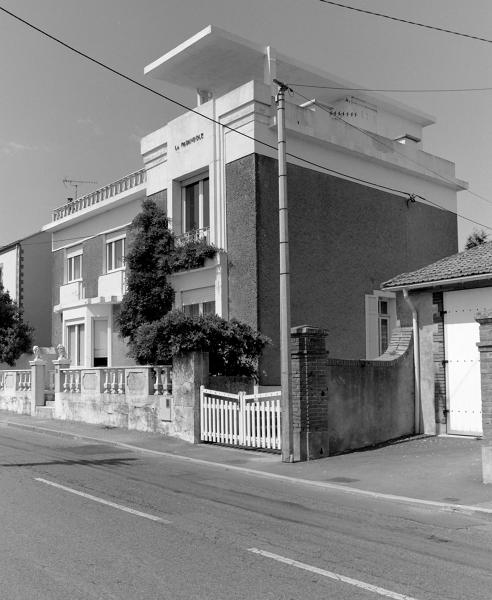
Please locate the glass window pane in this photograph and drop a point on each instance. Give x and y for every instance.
(192, 206)
(119, 253)
(383, 335)
(192, 310)
(109, 257)
(209, 308)
(77, 266)
(206, 204)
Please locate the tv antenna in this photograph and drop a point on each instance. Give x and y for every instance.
(75, 184)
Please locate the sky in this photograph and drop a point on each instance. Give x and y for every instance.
(62, 117)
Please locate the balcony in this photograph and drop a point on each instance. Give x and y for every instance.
(71, 293)
(112, 284)
(101, 195)
(194, 235)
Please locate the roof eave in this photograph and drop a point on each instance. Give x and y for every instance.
(438, 282)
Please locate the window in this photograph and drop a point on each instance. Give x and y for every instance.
(199, 308)
(100, 342)
(1, 274)
(196, 205)
(74, 265)
(380, 322)
(115, 254)
(76, 343)
(383, 324)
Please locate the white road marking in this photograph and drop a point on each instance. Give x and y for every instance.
(331, 575)
(102, 501)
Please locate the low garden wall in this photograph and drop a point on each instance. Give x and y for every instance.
(341, 405)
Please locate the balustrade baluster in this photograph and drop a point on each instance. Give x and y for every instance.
(113, 382)
(121, 380)
(157, 371)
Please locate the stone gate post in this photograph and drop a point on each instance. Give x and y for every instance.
(38, 380)
(485, 349)
(190, 371)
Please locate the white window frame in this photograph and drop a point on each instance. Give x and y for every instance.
(200, 179)
(71, 255)
(78, 360)
(374, 318)
(110, 247)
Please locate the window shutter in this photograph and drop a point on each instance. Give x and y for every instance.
(372, 326)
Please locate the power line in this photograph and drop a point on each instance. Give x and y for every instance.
(390, 147)
(408, 22)
(184, 106)
(395, 90)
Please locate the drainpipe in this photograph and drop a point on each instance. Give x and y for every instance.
(416, 358)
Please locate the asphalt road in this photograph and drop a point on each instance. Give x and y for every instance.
(86, 521)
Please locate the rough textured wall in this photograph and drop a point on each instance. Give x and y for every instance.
(36, 285)
(242, 240)
(92, 264)
(345, 240)
(118, 347)
(57, 281)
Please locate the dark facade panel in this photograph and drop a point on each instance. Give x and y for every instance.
(345, 239)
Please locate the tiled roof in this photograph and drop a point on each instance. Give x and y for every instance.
(475, 261)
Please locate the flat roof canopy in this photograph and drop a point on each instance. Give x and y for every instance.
(217, 61)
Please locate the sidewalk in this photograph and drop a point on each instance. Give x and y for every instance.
(445, 471)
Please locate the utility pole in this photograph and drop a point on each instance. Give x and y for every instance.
(283, 218)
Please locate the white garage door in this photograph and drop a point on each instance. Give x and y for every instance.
(461, 334)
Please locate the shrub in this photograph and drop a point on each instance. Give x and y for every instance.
(234, 347)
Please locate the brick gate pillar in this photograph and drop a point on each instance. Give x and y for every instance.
(485, 349)
(309, 393)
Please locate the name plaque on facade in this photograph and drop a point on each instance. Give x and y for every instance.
(185, 143)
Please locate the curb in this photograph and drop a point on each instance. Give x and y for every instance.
(444, 506)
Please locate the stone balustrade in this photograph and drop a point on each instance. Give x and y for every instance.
(148, 380)
(109, 191)
(15, 380)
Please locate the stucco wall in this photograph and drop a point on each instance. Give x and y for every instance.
(369, 402)
(345, 239)
(92, 264)
(36, 285)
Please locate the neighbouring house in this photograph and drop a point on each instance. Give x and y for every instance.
(89, 238)
(25, 272)
(445, 298)
(356, 214)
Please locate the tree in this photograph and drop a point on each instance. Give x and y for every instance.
(15, 335)
(155, 333)
(149, 295)
(476, 238)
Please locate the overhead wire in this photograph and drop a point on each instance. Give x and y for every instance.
(211, 119)
(408, 22)
(390, 146)
(192, 110)
(393, 90)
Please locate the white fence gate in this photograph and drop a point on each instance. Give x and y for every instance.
(250, 420)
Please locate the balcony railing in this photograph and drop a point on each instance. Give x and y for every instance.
(112, 284)
(100, 195)
(193, 236)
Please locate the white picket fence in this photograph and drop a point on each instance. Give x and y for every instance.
(250, 420)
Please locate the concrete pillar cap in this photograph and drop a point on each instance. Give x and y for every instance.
(308, 330)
